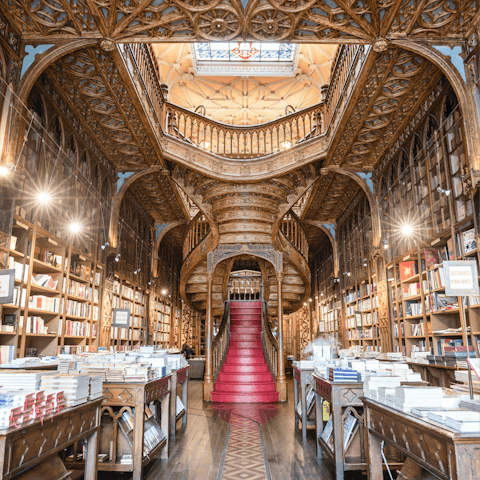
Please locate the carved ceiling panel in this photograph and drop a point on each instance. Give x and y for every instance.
(213, 20)
(315, 238)
(242, 100)
(90, 82)
(331, 195)
(397, 84)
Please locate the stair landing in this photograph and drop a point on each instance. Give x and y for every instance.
(245, 377)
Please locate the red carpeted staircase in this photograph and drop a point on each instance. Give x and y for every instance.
(245, 377)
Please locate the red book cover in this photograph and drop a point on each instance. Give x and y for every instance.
(407, 270)
(450, 248)
(431, 257)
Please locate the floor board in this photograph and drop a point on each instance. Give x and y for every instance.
(197, 451)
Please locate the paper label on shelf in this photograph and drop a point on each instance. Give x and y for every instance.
(121, 317)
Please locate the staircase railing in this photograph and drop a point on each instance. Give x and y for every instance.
(221, 342)
(293, 231)
(197, 230)
(249, 141)
(269, 343)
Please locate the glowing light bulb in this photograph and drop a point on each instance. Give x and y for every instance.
(4, 171)
(43, 197)
(164, 292)
(407, 229)
(75, 227)
(286, 144)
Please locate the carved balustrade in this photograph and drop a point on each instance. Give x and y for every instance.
(246, 287)
(197, 230)
(293, 231)
(221, 342)
(344, 73)
(143, 69)
(269, 343)
(249, 141)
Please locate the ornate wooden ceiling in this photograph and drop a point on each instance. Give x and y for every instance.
(242, 100)
(341, 21)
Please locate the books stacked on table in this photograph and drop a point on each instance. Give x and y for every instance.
(23, 380)
(10, 417)
(473, 405)
(75, 387)
(342, 375)
(24, 399)
(461, 420)
(373, 382)
(114, 374)
(95, 387)
(406, 398)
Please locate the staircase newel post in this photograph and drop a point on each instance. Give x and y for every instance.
(281, 382)
(208, 378)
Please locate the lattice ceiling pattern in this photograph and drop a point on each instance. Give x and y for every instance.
(272, 20)
(242, 100)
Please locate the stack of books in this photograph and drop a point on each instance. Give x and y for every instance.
(342, 375)
(373, 382)
(407, 397)
(95, 387)
(75, 387)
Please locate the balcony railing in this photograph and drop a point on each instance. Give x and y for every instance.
(244, 142)
(197, 230)
(249, 141)
(293, 231)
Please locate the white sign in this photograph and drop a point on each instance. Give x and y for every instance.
(7, 282)
(461, 277)
(121, 317)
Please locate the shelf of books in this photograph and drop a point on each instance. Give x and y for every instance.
(424, 317)
(130, 296)
(57, 295)
(330, 314)
(162, 321)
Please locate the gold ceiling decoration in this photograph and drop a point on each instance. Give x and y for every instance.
(242, 100)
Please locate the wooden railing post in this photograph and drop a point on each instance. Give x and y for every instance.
(281, 380)
(208, 382)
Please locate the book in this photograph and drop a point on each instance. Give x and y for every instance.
(349, 425)
(431, 258)
(451, 253)
(408, 270)
(469, 241)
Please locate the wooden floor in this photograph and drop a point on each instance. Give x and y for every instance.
(199, 450)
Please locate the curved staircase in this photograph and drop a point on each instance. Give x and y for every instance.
(245, 377)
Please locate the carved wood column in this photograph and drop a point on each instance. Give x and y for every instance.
(208, 378)
(281, 381)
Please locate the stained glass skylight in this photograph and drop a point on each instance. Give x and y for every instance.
(244, 58)
(245, 52)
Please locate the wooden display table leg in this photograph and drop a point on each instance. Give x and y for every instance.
(164, 421)
(374, 457)
(184, 401)
(304, 410)
(318, 423)
(173, 405)
(92, 457)
(336, 412)
(295, 394)
(138, 430)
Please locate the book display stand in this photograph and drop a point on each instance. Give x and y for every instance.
(302, 379)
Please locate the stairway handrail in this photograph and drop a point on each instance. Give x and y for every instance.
(221, 341)
(269, 343)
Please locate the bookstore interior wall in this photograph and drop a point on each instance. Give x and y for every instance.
(428, 214)
(68, 283)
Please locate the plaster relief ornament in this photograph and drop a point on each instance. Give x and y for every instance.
(380, 45)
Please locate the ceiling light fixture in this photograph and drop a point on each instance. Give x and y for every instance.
(75, 227)
(105, 245)
(442, 190)
(43, 197)
(117, 258)
(385, 243)
(286, 144)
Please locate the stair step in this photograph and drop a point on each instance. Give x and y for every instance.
(245, 323)
(236, 377)
(245, 352)
(237, 344)
(245, 398)
(239, 369)
(236, 387)
(235, 329)
(232, 360)
(245, 337)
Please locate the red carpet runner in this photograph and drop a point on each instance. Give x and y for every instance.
(245, 377)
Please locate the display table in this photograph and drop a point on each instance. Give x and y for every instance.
(179, 377)
(446, 454)
(24, 447)
(344, 398)
(120, 398)
(435, 375)
(301, 379)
